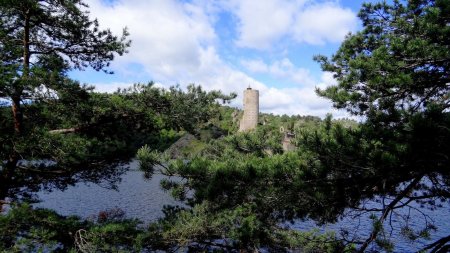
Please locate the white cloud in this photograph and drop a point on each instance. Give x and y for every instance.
(320, 23)
(255, 66)
(273, 99)
(110, 87)
(296, 100)
(302, 100)
(327, 79)
(263, 23)
(282, 69)
(168, 38)
(176, 42)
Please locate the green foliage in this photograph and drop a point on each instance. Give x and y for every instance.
(121, 236)
(288, 123)
(227, 120)
(147, 158)
(165, 139)
(194, 106)
(335, 167)
(24, 229)
(261, 142)
(240, 194)
(395, 73)
(238, 228)
(238, 190)
(397, 65)
(40, 42)
(194, 148)
(81, 132)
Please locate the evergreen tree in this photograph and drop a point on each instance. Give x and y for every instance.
(39, 42)
(396, 74)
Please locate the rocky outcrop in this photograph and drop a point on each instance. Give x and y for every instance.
(176, 149)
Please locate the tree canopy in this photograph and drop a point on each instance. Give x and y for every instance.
(59, 131)
(397, 65)
(41, 40)
(395, 75)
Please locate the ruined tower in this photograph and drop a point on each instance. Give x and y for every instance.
(251, 110)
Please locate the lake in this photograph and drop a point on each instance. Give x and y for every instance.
(138, 197)
(144, 199)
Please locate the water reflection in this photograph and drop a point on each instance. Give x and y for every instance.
(27, 178)
(357, 226)
(144, 199)
(138, 197)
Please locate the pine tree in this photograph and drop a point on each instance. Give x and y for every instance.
(40, 41)
(49, 36)
(396, 74)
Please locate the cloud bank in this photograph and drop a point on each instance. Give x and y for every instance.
(175, 42)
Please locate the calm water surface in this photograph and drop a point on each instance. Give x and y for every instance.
(138, 197)
(144, 199)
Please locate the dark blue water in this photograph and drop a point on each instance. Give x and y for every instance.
(139, 197)
(358, 227)
(144, 199)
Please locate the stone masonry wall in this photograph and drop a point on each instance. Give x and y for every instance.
(251, 110)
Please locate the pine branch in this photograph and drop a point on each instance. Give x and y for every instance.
(389, 209)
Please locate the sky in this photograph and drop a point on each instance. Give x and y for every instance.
(229, 45)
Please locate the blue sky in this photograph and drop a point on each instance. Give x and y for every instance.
(229, 45)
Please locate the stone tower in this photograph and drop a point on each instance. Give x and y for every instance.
(251, 110)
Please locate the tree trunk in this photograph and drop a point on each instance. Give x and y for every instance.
(388, 209)
(16, 98)
(17, 115)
